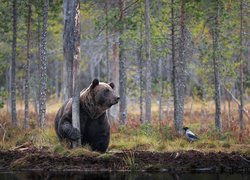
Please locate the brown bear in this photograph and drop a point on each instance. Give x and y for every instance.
(94, 125)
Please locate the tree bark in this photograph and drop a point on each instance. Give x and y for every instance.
(148, 64)
(160, 69)
(215, 36)
(27, 77)
(43, 67)
(174, 65)
(68, 43)
(122, 69)
(241, 107)
(113, 113)
(57, 78)
(76, 70)
(13, 66)
(140, 59)
(181, 71)
(179, 68)
(107, 39)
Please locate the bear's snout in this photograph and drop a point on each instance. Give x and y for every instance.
(117, 99)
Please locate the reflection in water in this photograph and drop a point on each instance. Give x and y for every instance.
(118, 176)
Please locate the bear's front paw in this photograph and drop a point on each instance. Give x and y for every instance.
(75, 134)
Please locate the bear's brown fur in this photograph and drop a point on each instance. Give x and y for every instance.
(94, 126)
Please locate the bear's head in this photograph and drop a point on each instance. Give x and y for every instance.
(103, 94)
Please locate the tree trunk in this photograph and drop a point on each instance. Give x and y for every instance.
(122, 70)
(181, 72)
(140, 67)
(27, 77)
(107, 39)
(215, 36)
(43, 67)
(36, 64)
(179, 66)
(57, 78)
(241, 107)
(114, 77)
(160, 70)
(13, 66)
(68, 43)
(160, 88)
(76, 69)
(148, 64)
(174, 66)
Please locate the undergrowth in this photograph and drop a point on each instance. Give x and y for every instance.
(158, 136)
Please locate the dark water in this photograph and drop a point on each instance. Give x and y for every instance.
(118, 176)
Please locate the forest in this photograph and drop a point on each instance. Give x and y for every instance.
(174, 64)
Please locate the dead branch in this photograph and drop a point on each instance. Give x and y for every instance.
(237, 101)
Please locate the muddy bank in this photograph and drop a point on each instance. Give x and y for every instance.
(183, 161)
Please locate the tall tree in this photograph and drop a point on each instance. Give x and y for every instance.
(148, 64)
(106, 9)
(68, 43)
(27, 77)
(140, 59)
(241, 107)
(43, 67)
(216, 66)
(13, 65)
(182, 67)
(122, 67)
(160, 79)
(76, 69)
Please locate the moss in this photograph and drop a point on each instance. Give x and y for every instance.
(81, 151)
(105, 156)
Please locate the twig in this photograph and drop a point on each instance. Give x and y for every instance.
(244, 158)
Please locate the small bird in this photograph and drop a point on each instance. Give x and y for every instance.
(190, 135)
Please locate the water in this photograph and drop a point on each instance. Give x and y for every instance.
(118, 176)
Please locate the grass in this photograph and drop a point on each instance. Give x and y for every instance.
(157, 137)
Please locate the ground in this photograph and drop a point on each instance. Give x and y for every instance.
(150, 147)
(28, 157)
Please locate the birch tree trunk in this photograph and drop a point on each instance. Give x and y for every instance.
(76, 70)
(122, 69)
(215, 36)
(43, 67)
(13, 65)
(27, 77)
(148, 64)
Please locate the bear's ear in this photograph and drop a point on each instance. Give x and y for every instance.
(95, 82)
(112, 85)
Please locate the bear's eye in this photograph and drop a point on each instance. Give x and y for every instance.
(106, 91)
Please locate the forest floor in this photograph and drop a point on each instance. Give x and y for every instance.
(28, 157)
(147, 147)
